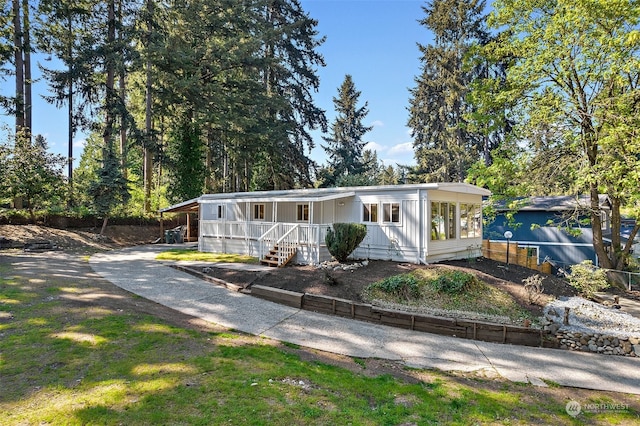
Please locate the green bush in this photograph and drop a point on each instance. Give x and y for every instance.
(587, 278)
(343, 239)
(404, 286)
(453, 282)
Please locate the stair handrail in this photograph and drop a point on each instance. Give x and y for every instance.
(262, 237)
(282, 254)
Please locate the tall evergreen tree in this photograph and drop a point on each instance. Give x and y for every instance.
(344, 143)
(444, 147)
(290, 42)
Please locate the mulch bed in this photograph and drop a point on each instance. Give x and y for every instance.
(350, 284)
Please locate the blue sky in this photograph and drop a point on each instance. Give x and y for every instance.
(376, 42)
(373, 40)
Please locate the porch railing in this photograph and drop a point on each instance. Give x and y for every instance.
(267, 234)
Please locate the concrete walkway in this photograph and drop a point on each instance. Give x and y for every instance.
(134, 269)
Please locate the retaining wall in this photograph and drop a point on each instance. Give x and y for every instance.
(466, 329)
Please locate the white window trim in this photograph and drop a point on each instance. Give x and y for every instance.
(303, 220)
(362, 219)
(390, 222)
(221, 211)
(253, 212)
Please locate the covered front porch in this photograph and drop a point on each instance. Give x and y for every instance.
(276, 229)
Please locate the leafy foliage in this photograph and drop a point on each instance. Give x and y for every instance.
(344, 238)
(587, 278)
(573, 84)
(186, 167)
(31, 172)
(453, 282)
(404, 286)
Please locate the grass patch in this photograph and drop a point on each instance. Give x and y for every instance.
(64, 363)
(194, 255)
(442, 291)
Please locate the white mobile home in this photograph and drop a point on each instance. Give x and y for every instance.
(410, 223)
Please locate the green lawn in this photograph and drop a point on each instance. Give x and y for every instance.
(194, 255)
(75, 352)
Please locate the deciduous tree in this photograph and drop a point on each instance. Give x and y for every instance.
(576, 73)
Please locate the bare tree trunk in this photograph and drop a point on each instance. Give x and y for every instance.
(26, 37)
(148, 159)
(110, 80)
(70, 112)
(104, 224)
(18, 50)
(123, 115)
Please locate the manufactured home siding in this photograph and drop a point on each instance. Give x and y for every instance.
(454, 247)
(402, 234)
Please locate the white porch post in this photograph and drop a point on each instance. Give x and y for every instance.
(422, 221)
(311, 233)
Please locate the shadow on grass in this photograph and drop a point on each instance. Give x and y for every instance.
(79, 351)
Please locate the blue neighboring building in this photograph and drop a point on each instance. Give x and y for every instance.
(531, 227)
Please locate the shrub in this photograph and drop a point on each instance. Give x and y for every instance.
(404, 286)
(453, 282)
(587, 278)
(533, 287)
(343, 239)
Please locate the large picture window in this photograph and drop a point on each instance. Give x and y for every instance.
(443, 220)
(370, 212)
(470, 220)
(258, 212)
(302, 212)
(391, 212)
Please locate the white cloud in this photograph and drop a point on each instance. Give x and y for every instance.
(80, 143)
(374, 146)
(377, 123)
(402, 148)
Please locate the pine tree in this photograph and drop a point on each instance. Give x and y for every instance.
(290, 41)
(110, 189)
(444, 148)
(344, 143)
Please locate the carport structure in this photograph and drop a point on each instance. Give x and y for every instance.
(190, 208)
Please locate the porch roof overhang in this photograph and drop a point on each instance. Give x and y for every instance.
(284, 198)
(189, 206)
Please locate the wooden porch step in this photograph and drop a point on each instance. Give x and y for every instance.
(271, 258)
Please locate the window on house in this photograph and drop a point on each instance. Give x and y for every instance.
(258, 212)
(470, 220)
(443, 221)
(220, 211)
(303, 212)
(391, 212)
(370, 212)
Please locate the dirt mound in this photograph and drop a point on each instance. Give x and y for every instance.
(82, 239)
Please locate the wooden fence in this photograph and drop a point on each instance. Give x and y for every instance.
(467, 329)
(517, 255)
